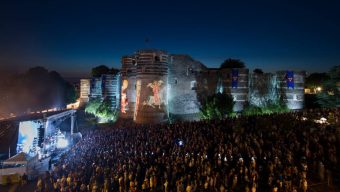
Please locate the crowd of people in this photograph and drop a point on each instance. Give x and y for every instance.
(278, 152)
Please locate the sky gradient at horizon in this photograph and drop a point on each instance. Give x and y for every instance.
(72, 37)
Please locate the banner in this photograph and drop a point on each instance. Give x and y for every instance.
(234, 78)
(104, 85)
(290, 79)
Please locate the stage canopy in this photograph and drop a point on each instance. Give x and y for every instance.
(20, 158)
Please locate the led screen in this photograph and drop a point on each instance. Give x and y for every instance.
(28, 136)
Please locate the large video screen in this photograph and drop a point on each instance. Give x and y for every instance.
(28, 137)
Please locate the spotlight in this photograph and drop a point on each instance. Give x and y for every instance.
(62, 143)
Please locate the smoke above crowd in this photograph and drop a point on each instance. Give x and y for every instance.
(34, 90)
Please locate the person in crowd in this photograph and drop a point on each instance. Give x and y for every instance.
(277, 152)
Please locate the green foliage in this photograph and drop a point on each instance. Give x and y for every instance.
(330, 95)
(217, 106)
(252, 110)
(276, 108)
(268, 109)
(101, 109)
(92, 106)
(316, 79)
(105, 111)
(232, 63)
(99, 70)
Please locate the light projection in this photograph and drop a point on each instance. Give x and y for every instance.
(234, 78)
(290, 79)
(62, 142)
(124, 101)
(28, 137)
(154, 100)
(263, 90)
(138, 87)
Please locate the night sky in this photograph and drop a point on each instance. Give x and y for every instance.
(72, 37)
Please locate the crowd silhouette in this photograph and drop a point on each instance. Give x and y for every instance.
(277, 152)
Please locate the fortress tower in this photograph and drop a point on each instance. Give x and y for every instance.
(128, 88)
(144, 86)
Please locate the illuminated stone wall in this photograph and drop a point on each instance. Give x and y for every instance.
(151, 86)
(183, 85)
(85, 85)
(239, 93)
(263, 89)
(128, 88)
(107, 87)
(293, 97)
(215, 80)
(156, 85)
(111, 89)
(96, 88)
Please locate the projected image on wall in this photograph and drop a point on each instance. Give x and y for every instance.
(138, 89)
(155, 99)
(28, 137)
(124, 100)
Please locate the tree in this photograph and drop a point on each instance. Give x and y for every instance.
(92, 106)
(36, 90)
(37, 71)
(273, 107)
(330, 94)
(114, 71)
(106, 112)
(100, 70)
(258, 71)
(315, 80)
(62, 89)
(217, 106)
(232, 63)
(70, 94)
(102, 109)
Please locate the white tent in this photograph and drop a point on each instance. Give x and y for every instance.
(20, 158)
(15, 166)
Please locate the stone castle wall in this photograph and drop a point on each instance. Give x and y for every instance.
(293, 97)
(111, 89)
(128, 88)
(107, 87)
(183, 85)
(151, 86)
(85, 85)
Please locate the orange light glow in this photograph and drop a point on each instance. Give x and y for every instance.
(73, 105)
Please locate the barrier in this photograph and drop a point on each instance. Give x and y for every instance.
(9, 179)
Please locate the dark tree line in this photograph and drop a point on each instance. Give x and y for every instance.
(103, 69)
(37, 89)
(232, 63)
(329, 97)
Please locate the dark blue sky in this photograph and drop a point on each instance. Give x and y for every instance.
(72, 37)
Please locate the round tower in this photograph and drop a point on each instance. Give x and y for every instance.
(151, 86)
(128, 87)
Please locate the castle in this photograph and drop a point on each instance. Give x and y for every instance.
(155, 85)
